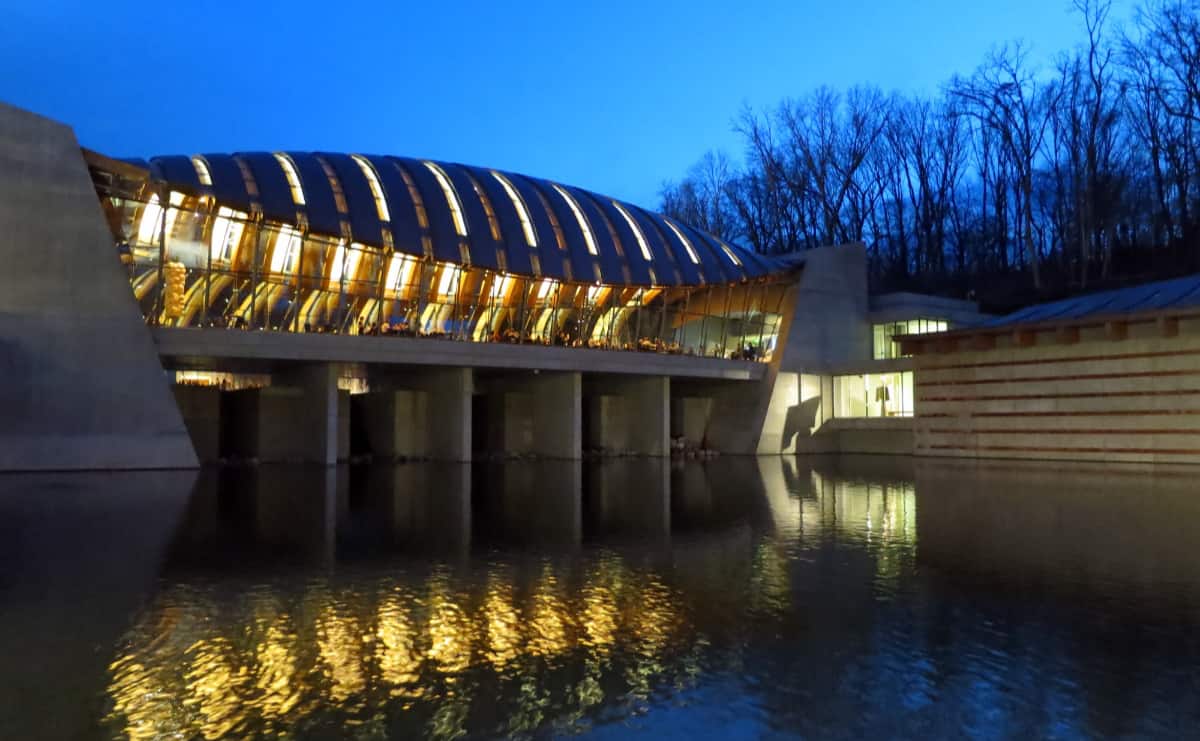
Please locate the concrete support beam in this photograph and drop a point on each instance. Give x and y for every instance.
(393, 424)
(539, 414)
(690, 416)
(318, 413)
(201, 410)
(630, 414)
(429, 413)
(557, 415)
(449, 409)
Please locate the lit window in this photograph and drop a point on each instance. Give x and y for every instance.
(415, 195)
(686, 244)
(583, 224)
(519, 205)
(151, 217)
(593, 293)
(545, 287)
(287, 250)
(202, 171)
(501, 285)
(376, 187)
(460, 224)
(730, 253)
(493, 224)
(400, 271)
(293, 178)
(227, 233)
(448, 283)
(345, 262)
(637, 230)
(886, 347)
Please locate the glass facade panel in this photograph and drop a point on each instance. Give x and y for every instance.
(873, 395)
(886, 348)
(195, 263)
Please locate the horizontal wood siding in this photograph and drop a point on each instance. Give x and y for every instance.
(1132, 400)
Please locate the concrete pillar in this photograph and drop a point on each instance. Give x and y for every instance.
(431, 418)
(201, 410)
(650, 400)
(689, 417)
(393, 424)
(539, 414)
(318, 415)
(630, 414)
(556, 405)
(268, 424)
(449, 413)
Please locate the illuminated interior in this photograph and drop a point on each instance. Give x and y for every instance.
(205, 262)
(886, 347)
(873, 395)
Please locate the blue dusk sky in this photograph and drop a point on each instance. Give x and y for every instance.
(613, 96)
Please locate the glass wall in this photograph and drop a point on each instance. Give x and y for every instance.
(887, 348)
(873, 395)
(194, 263)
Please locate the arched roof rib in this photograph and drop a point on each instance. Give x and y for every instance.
(274, 194)
(318, 194)
(402, 212)
(517, 249)
(604, 240)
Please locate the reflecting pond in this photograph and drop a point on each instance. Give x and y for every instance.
(832, 597)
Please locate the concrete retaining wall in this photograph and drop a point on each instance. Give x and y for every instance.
(83, 386)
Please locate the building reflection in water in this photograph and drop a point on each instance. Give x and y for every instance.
(859, 593)
(296, 599)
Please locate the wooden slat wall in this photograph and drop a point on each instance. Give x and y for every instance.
(1128, 400)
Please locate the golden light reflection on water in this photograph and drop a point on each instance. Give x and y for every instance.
(396, 649)
(276, 674)
(340, 644)
(548, 641)
(548, 619)
(215, 686)
(502, 632)
(449, 629)
(262, 664)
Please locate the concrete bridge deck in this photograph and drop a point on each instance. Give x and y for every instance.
(249, 350)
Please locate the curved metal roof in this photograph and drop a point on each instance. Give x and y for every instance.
(1178, 293)
(493, 219)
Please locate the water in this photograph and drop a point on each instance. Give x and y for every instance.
(824, 598)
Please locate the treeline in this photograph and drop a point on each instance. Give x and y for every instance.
(1014, 184)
